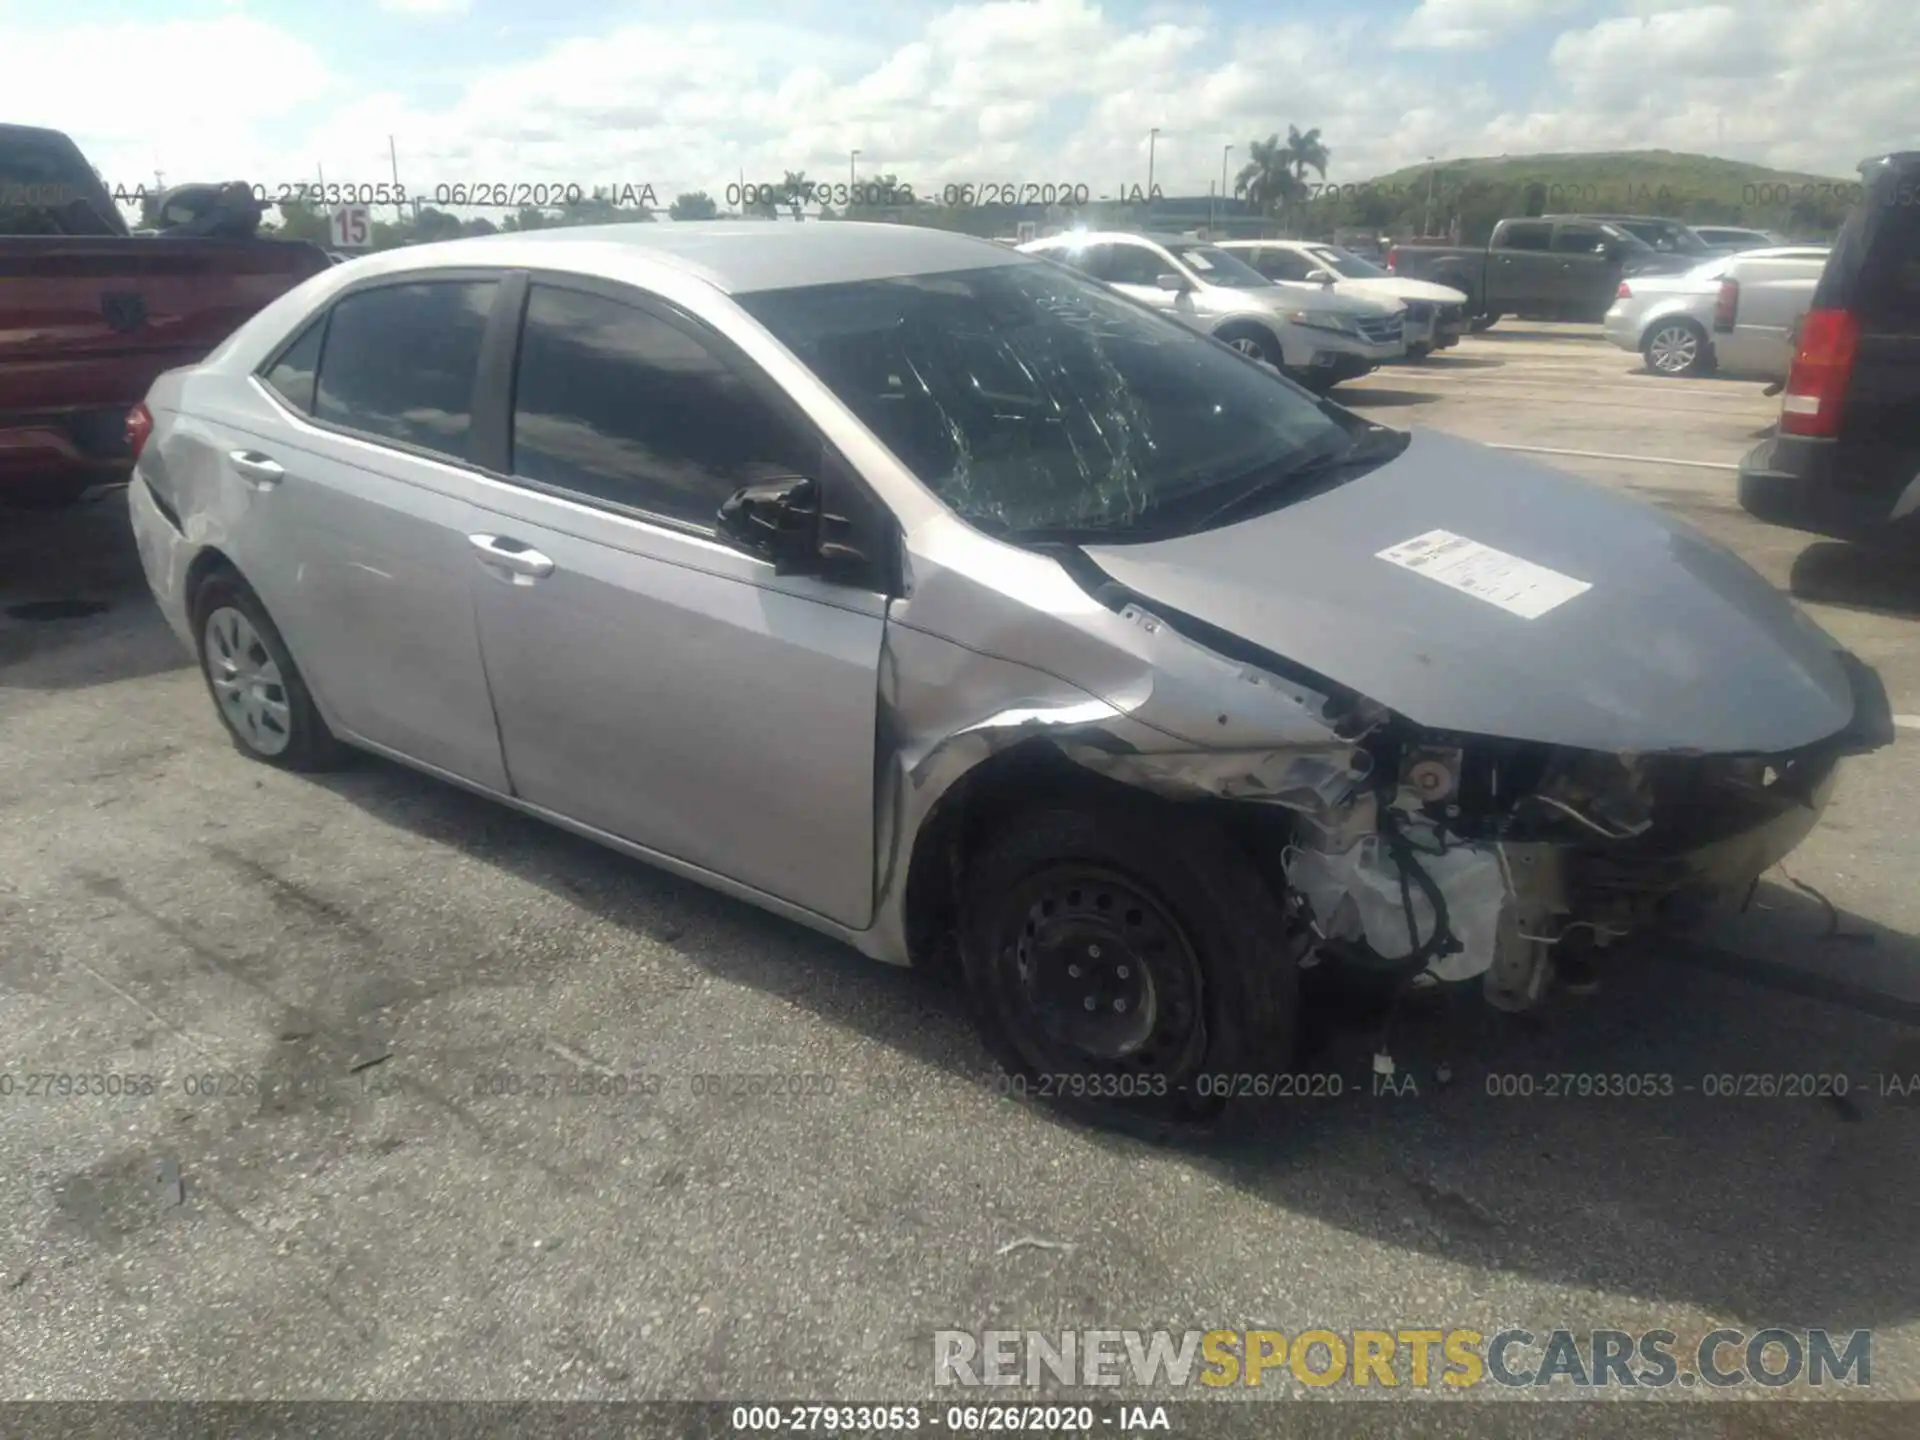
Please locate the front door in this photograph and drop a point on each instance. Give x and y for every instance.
(1135, 271)
(651, 680)
(1585, 278)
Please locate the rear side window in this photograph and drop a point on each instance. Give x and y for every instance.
(1579, 240)
(1890, 276)
(614, 403)
(1524, 236)
(399, 362)
(292, 375)
(1283, 265)
(1135, 265)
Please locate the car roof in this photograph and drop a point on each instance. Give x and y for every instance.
(736, 257)
(1107, 237)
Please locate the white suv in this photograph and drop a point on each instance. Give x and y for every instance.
(1436, 314)
(1318, 339)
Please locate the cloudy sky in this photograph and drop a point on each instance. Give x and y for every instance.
(622, 92)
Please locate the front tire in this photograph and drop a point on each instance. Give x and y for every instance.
(257, 690)
(1255, 343)
(1677, 347)
(1123, 959)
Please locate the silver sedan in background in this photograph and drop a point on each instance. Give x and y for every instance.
(1734, 314)
(938, 598)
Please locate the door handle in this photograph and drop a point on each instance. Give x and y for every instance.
(260, 471)
(517, 560)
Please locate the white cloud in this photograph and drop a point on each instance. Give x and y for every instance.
(1020, 90)
(426, 7)
(1471, 24)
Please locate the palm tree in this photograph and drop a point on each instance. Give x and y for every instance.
(796, 187)
(1266, 182)
(1302, 153)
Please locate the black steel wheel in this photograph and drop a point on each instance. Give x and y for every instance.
(1125, 959)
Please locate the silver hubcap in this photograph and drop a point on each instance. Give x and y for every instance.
(247, 683)
(1247, 345)
(1674, 348)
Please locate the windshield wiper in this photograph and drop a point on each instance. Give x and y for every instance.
(1380, 446)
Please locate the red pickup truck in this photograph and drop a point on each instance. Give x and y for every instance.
(90, 315)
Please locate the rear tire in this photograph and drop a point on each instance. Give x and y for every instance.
(1122, 959)
(1481, 323)
(1677, 347)
(257, 690)
(1419, 352)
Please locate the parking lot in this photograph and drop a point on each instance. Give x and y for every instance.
(361, 1215)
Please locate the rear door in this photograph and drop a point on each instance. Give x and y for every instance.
(1280, 264)
(653, 680)
(346, 465)
(1521, 270)
(1774, 293)
(1583, 279)
(1135, 271)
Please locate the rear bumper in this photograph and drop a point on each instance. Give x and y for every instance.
(86, 446)
(164, 555)
(1792, 481)
(1622, 328)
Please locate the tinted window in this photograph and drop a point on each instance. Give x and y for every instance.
(613, 402)
(1526, 237)
(1345, 262)
(1579, 240)
(292, 374)
(1028, 398)
(1135, 265)
(1889, 296)
(1283, 265)
(400, 362)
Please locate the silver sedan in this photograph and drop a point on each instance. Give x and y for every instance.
(941, 599)
(1734, 313)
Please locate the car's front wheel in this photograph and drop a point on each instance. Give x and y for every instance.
(258, 691)
(1124, 959)
(1677, 347)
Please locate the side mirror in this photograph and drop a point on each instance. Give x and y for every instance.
(1321, 277)
(1177, 284)
(778, 520)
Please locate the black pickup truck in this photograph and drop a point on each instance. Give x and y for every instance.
(1549, 268)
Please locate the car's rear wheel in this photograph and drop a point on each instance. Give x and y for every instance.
(1677, 347)
(1483, 322)
(1126, 961)
(257, 689)
(1419, 352)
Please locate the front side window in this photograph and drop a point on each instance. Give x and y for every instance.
(1526, 235)
(1031, 400)
(615, 403)
(1283, 265)
(1135, 265)
(400, 361)
(1579, 240)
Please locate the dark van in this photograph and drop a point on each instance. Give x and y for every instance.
(1844, 460)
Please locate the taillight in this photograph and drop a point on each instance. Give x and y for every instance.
(1393, 257)
(1726, 306)
(1625, 292)
(1822, 365)
(139, 427)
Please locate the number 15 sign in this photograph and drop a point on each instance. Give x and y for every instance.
(350, 228)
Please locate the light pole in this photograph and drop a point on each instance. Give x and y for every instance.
(1225, 151)
(1153, 135)
(852, 155)
(1426, 211)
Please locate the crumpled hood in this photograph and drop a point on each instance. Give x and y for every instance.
(1676, 644)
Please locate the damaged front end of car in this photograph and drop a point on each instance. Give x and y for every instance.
(1396, 848)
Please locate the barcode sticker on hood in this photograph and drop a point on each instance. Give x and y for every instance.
(1517, 586)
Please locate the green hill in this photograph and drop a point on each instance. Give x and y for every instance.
(1702, 188)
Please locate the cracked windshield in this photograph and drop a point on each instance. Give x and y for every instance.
(971, 717)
